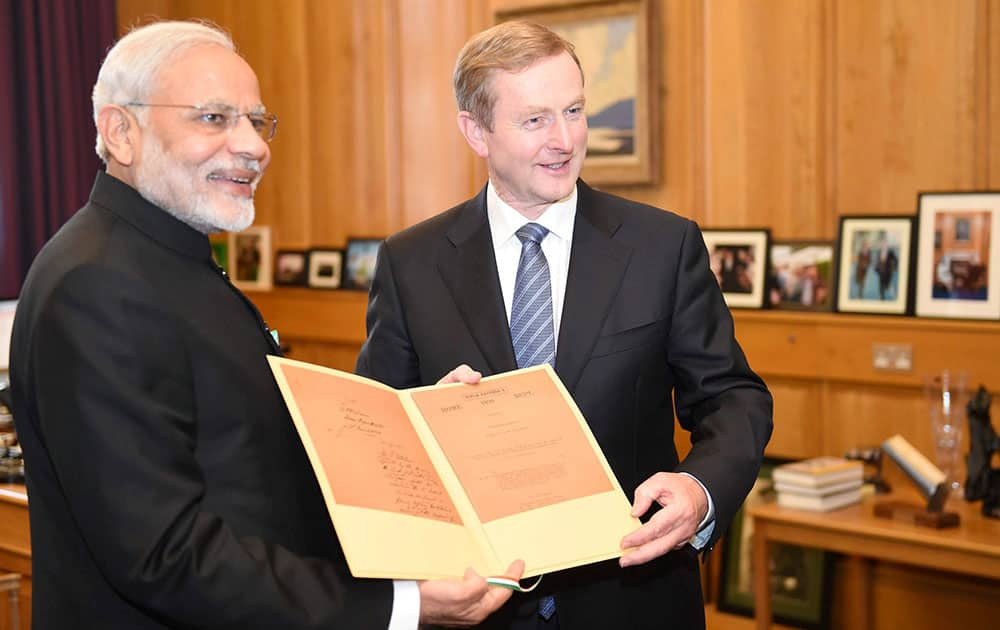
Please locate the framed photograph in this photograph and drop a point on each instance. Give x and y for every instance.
(800, 579)
(361, 254)
(250, 258)
(326, 268)
(613, 43)
(958, 261)
(291, 268)
(801, 275)
(873, 274)
(738, 258)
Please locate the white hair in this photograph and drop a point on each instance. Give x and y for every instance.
(130, 70)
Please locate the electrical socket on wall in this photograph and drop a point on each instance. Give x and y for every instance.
(892, 357)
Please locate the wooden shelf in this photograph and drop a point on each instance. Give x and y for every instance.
(839, 347)
(312, 315)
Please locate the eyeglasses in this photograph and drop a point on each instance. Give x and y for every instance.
(218, 118)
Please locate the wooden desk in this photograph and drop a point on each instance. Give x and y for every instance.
(15, 548)
(973, 548)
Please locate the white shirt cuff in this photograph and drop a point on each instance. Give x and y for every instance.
(405, 605)
(707, 525)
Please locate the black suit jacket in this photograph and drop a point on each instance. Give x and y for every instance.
(644, 326)
(167, 485)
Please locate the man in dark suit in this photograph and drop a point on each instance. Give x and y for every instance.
(620, 298)
(167, 485)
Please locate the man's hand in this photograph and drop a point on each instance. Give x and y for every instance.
(461, 374)
(466, 602)
(684, 507)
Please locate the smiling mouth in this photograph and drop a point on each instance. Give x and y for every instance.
(238, 180)
(555, 166)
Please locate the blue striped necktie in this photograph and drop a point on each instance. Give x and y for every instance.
(531, 326)
(531, 329)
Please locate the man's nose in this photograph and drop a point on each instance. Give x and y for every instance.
(244, 139)
(559, 136)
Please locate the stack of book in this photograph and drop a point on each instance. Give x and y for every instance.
(819, 484)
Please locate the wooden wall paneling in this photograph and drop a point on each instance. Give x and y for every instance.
(282, 62)
(677, 37)
(992, 125)
(766, 128)
(983, 84)
(780, 346)
(866, 416)
(436, 162)
(906, 102)
(798, 415)
(375, 143)
(326, 160)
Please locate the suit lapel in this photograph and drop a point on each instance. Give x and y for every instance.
(469, 270)
(596, 266)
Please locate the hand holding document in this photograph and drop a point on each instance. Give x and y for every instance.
(426, 482)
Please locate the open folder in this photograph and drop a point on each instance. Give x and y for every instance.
(423, 483)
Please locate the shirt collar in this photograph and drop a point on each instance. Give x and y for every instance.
(505, 220)
(125, 201)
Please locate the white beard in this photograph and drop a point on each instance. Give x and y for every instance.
(165, 183)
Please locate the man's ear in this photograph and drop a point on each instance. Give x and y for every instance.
(120, 133)
(474, 134)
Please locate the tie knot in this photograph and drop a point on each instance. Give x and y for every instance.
(532, 232)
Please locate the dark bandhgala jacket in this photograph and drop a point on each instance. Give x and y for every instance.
(644, 328)
(167, 486)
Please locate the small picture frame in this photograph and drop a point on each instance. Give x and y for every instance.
(326, 269)
(800, 576)
(802, 275)
(359, 269)
(250, 258)
(873, 274)
(291, 268)
(958, 257)
(738, 258)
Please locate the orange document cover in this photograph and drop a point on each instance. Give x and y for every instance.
(423, 483)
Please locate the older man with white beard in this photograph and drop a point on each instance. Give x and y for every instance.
(167, 486)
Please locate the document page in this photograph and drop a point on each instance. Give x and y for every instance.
(513, 443)
(368, 448)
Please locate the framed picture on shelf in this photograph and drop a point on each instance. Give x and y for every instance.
(802, 275)
(291, 268)
(873, 273)
(958, 260)
(326, 269)
(738, 258)
(361, 254)
(250, 258)
(614, 44)
(799, 575)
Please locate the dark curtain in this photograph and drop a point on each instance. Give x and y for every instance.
(50, 52)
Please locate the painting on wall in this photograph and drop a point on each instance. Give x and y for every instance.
(612, 42)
